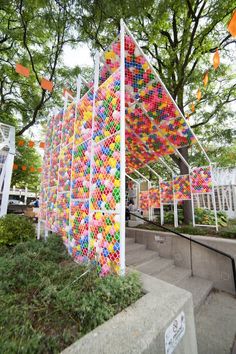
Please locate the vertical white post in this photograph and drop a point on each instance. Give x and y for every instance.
(161, 205)
(213, 199)
(38, 230)
(175, 204)
(8, 172)
(192, 199)
(73, 143)
(122, 148)
(96, 79)
(26, 195)
(149, 208)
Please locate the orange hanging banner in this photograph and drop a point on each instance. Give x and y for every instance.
(42, 145)
(192, 107)
(46, 84)
(31, 144)
(205, 78)
(216, 59)
(15, 166)
(199, 95)
(21, 143)
(24, 168)
(232, 25)
(22, 70)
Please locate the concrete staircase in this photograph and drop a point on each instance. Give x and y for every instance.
(149, 262)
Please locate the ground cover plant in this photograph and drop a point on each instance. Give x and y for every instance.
(47, 301)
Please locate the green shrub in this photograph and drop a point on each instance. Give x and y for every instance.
(207, 217)
(15, 229)
(48, 302)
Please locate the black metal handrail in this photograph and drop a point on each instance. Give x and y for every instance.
(194, 241)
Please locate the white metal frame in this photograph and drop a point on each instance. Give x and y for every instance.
(7, 142)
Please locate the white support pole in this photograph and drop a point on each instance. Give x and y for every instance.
(167, 166)
(192, 199)
(8, 172)
(122, 147)
(161, 206)
(153, 171)
(38, 229)
(96, 78)
(7, 183)
(213, 199)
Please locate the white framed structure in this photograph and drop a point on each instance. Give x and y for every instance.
(7, 153)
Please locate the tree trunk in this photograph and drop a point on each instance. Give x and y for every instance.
(187, 205)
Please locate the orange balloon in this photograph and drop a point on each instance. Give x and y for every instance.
(199, 95)
(216, 59)
(24, 168)
(232, 25)
(31, 144)
(32, 169)
(21, 143)
(205, 78)
(40, 169)
(15, 166)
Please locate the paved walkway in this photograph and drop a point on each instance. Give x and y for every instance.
(216, 324)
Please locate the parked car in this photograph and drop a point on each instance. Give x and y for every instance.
(15, 202)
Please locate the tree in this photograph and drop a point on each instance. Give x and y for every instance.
(33, 33)
(28, 158)
(179, 37)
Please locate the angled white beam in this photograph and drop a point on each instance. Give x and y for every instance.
(154, 172)
(167, 166)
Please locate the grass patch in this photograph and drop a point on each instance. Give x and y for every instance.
(45, 301)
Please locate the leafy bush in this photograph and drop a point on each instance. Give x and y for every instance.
(46, 301)
(15, 229)
(207, 217)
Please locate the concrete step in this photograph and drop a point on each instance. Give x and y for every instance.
(129, 240)
(200, 289)
(133, 247)
(174, 275)
(155, 265)
(139, 256)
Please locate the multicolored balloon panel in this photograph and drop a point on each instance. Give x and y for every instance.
(144, 200)
(154, 197)
(182, 189)
(166, 192)
(201, 180)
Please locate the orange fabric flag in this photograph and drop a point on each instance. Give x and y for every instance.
(42, 145)
(21, 143)
(31, 144)
(216, 59)
(46, 84)
(24, 168)
(232, 25)
(199, 95)
(192, 107)
(32, 169)
(205, 78)
(15, 166)
(22, 70)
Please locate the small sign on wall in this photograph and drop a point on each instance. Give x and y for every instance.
(174, 333)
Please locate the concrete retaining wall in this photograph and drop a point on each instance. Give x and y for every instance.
(205, 263)
(141, 328)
